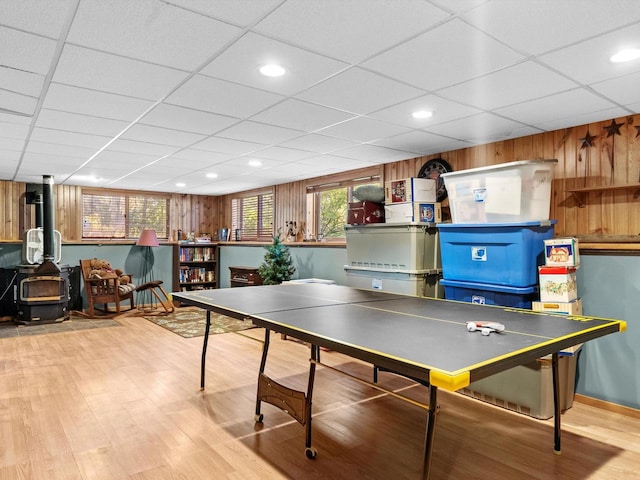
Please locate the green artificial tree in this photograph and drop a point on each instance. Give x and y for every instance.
(277, 266)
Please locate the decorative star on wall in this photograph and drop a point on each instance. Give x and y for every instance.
(613, 129)
(587, 141)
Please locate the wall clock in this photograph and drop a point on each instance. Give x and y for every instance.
(433, 169)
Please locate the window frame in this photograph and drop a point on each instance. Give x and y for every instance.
(264, 205)
(131, 231)
(313, 200)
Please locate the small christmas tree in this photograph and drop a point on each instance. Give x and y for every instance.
(278, 266)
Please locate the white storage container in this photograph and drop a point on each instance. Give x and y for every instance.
(413, 212)
(506, 193)
(397, 246)
(418, 284)
(528, 389)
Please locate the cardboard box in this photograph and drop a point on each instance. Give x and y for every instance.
(558, 284)
(360, 213)
(421, 212)
(410, 190)
(562, 252)
(567, 308)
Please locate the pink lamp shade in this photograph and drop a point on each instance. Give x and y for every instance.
(148, 238)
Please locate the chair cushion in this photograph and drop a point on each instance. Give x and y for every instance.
(126, 288)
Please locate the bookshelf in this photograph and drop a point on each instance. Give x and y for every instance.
(195, 266)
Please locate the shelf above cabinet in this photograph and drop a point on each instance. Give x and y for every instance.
(580, 193)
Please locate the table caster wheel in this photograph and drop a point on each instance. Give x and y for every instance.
(258, 418)
(311, 452)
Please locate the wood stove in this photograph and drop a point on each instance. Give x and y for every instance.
(42, 291)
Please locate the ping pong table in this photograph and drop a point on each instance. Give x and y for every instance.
(425, 339)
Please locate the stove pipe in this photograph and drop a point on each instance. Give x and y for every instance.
(48, 208)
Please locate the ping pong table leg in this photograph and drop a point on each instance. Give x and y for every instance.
(204, 349)
(315, 357)
(556, 404)
(263, 363)
(431, 424)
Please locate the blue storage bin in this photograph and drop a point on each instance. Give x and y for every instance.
(500, 253)
(489, 294)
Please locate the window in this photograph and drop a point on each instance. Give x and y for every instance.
(327, 207)
(253, 216)
(123, 216)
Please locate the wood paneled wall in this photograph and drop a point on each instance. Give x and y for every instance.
(609, 163)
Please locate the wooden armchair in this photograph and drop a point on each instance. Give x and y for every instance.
(103, 291)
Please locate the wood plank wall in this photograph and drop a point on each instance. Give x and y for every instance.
(610, 214)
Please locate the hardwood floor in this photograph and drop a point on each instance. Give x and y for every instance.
(124, 403)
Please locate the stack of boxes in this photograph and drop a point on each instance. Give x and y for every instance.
(491, 254)
(401, 255)
(411, 200)
(491, 251)
(558, 285)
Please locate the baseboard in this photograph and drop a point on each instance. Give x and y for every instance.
(609, 406)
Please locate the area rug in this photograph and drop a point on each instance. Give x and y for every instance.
(10, 329)
(192, 322)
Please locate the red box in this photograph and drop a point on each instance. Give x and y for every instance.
(365, 212)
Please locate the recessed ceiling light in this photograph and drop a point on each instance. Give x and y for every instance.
(272, 70)
(180, 184)
(626, 55)
(212, 175)
(420, 114)
(255, 163)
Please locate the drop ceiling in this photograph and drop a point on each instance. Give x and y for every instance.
(152, 94)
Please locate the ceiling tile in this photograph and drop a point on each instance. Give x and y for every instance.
(623, 90)
(319, 143)
(17, 103)
(221, 97)
(15, 144)
(19, 81)
(418, 142)
(73, 122)
(260, 133)
(359, 91)
(588, 62)
(102, 71)
(481, 128)
(49, 135)
(364, 129)
(43, 18)
(24, 51)
(227, 145)
(95, 103)
(443, 111)
(367, 26)
(240, 63)
(447, 55)
(374, 154)
(133, 146)
(149, 30)
(282, 153)
(161, 136)
(545, 29)
(187, 119)
(14, 130)
(301, 115)
(191, 157)
(562, 105)
(511, 85)
(237, 13)
(60, 150)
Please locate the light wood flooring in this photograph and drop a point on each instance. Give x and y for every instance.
(124, 402)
